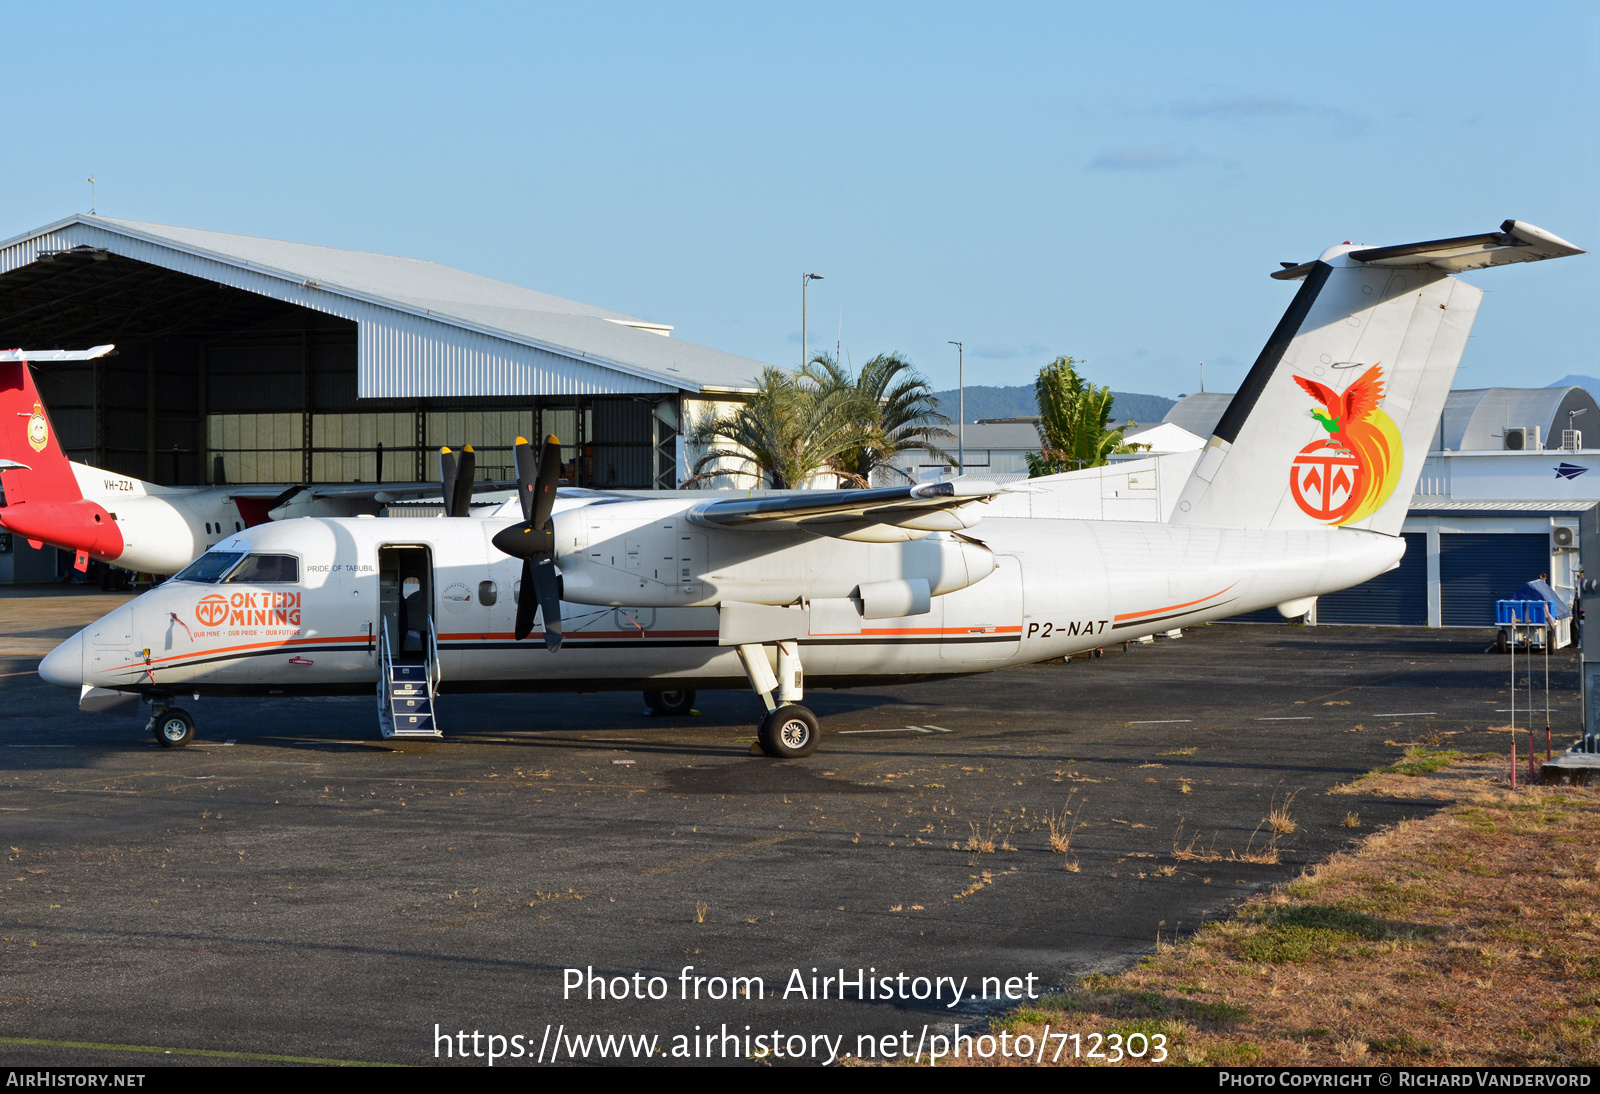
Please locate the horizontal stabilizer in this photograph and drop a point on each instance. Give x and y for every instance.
(1516, 241)
(45, 355)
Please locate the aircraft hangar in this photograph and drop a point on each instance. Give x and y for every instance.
(242, 359)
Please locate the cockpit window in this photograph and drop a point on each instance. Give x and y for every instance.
(258, 569)
(209, 567)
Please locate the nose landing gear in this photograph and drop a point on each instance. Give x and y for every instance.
(173, 728)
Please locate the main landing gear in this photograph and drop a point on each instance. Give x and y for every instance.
(172, 727)
(789, 731)
(671, 704)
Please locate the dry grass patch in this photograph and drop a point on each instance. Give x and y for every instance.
(1467, 938)
(1278, 815)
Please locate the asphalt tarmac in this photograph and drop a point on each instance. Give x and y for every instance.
(292, 886)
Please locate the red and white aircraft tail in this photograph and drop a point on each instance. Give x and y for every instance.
(1333, 422)
(44, 501)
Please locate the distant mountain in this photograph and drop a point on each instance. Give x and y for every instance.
(1588, 383)
(1017, 402)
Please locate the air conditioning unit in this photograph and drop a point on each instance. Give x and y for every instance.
(1564, 537)
(1522, 438)
(1572, 439)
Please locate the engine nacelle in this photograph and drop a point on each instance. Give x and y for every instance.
(646, 553)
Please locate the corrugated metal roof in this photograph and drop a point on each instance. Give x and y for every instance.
(1199, 413)
(1475, 420)
(444, 332)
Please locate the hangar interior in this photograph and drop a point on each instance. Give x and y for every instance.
(204, 373)
(213, 382)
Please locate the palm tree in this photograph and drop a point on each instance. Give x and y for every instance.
(897, 408)
(789, 431)
(1073, 415)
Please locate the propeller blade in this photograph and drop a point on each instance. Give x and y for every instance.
(535, 536)
(527, 602)
(527, 473)
(549, 589)
(544, 495)
(460, 504)
(448, 475)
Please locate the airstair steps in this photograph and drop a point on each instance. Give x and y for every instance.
(405, 697)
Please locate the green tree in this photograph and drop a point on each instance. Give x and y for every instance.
(1073, 416)
(788, 431)
(897, 413)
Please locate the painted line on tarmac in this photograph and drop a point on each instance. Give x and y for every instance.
(1292, 718)
(215, 1054)
(900, 729)
(1409, 714)
(1161, 722)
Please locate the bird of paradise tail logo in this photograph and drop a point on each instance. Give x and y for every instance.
(1348, 475)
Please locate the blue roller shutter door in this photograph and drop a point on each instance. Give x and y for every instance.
(1398, 598)
(1476, 569)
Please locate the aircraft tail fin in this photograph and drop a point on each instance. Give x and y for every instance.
(1333, 422)
(33, 468)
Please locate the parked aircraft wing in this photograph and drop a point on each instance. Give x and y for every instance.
(892, 512)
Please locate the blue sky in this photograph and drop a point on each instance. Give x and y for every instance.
(1112, 182)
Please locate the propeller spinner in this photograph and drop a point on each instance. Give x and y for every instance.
(533, 541)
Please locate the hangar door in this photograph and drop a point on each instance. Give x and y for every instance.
(1398, 598)
(1478, 568)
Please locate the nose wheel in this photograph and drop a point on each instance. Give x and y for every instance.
(172, 727)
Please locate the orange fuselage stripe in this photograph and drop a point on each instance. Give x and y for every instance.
(1170, 607)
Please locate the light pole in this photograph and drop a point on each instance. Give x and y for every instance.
(805, 282)
(961, 408)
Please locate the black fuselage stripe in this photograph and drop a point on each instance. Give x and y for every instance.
(1170, 616)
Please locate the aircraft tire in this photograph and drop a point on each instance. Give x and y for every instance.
(174, 728)
(676, 704)
(789, 733)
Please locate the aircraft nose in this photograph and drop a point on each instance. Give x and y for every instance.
(63, 666)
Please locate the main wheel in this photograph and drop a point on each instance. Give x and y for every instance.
(790, 732)
(672, 703)
(174, 728)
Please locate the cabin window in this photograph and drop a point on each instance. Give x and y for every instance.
(487, 593)
(209, 567)
(260, 569)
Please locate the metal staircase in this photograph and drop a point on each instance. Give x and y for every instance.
(406, 690)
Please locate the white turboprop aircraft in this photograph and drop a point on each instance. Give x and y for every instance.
(118, 519)
(1301, 491)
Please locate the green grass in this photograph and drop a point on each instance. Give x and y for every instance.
(1420, 761)
(1400, 1042)
(1315, 932)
